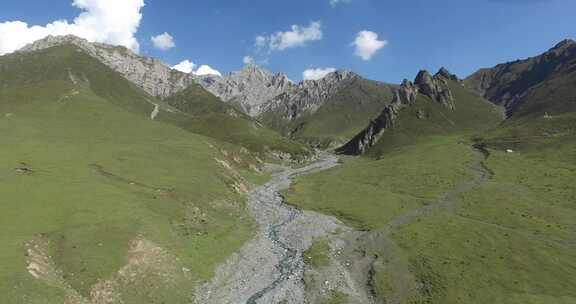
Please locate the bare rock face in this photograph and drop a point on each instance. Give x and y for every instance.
(251, 87)
(443, 72)
(435, 87)
(258, 91)
(309, 95)
(404, 96)
(151, 75)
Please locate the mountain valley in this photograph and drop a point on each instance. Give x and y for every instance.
(139, 183)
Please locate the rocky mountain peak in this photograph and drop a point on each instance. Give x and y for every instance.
(435, 87)
(251, 87)
(423, 78)
(443, 72)
(309, 95)
(341, 75)
(251, 70)
(406, 93)
(151, 75)
(564, 44)
(51, 41)
(564, 48)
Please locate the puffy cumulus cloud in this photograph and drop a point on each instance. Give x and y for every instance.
(248, 60)
(110, 21)
(163, 42)
(298, 36)
(185, 66)
(315, 74)
(188, 67)
(207, 70)
(367, 44)
(334, 3)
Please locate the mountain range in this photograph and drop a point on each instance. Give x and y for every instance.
(334, 110)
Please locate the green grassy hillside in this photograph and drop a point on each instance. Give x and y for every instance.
(428, 118)
(509, 240)
(210, 116)
(194, 109)
(99, 201)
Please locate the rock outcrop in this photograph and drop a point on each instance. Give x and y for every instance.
(251, 88)
(151, 75)
(258, 91)
(309, 95)
(435, 87)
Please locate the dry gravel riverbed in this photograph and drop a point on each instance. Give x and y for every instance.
(270, 268)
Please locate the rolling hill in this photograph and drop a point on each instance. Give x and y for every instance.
(104, 194)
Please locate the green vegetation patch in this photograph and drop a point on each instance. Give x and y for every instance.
(318, 254)
(335, 297)
(210, 116)
(367, 194)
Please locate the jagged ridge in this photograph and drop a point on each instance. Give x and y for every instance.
(435, 87)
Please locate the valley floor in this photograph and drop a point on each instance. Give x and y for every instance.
(441, 224)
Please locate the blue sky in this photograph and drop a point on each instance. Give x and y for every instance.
(461, 35)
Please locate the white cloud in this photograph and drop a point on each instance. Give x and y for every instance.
(298, 36)
(207, 70)
(315, 74)
(163, 42)
(367, 44)
(188, 67)
(334, 3)
(185, 66)
(248, 60)
(109, 21)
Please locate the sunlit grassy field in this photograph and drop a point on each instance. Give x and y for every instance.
(91, 186)
(511, 240)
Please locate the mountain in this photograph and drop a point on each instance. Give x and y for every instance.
(151, 75)
(327, 111)
(531, 86)
(539, 94)
(105, 196)
(249, 89)
(184, 102)
(432, 105)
